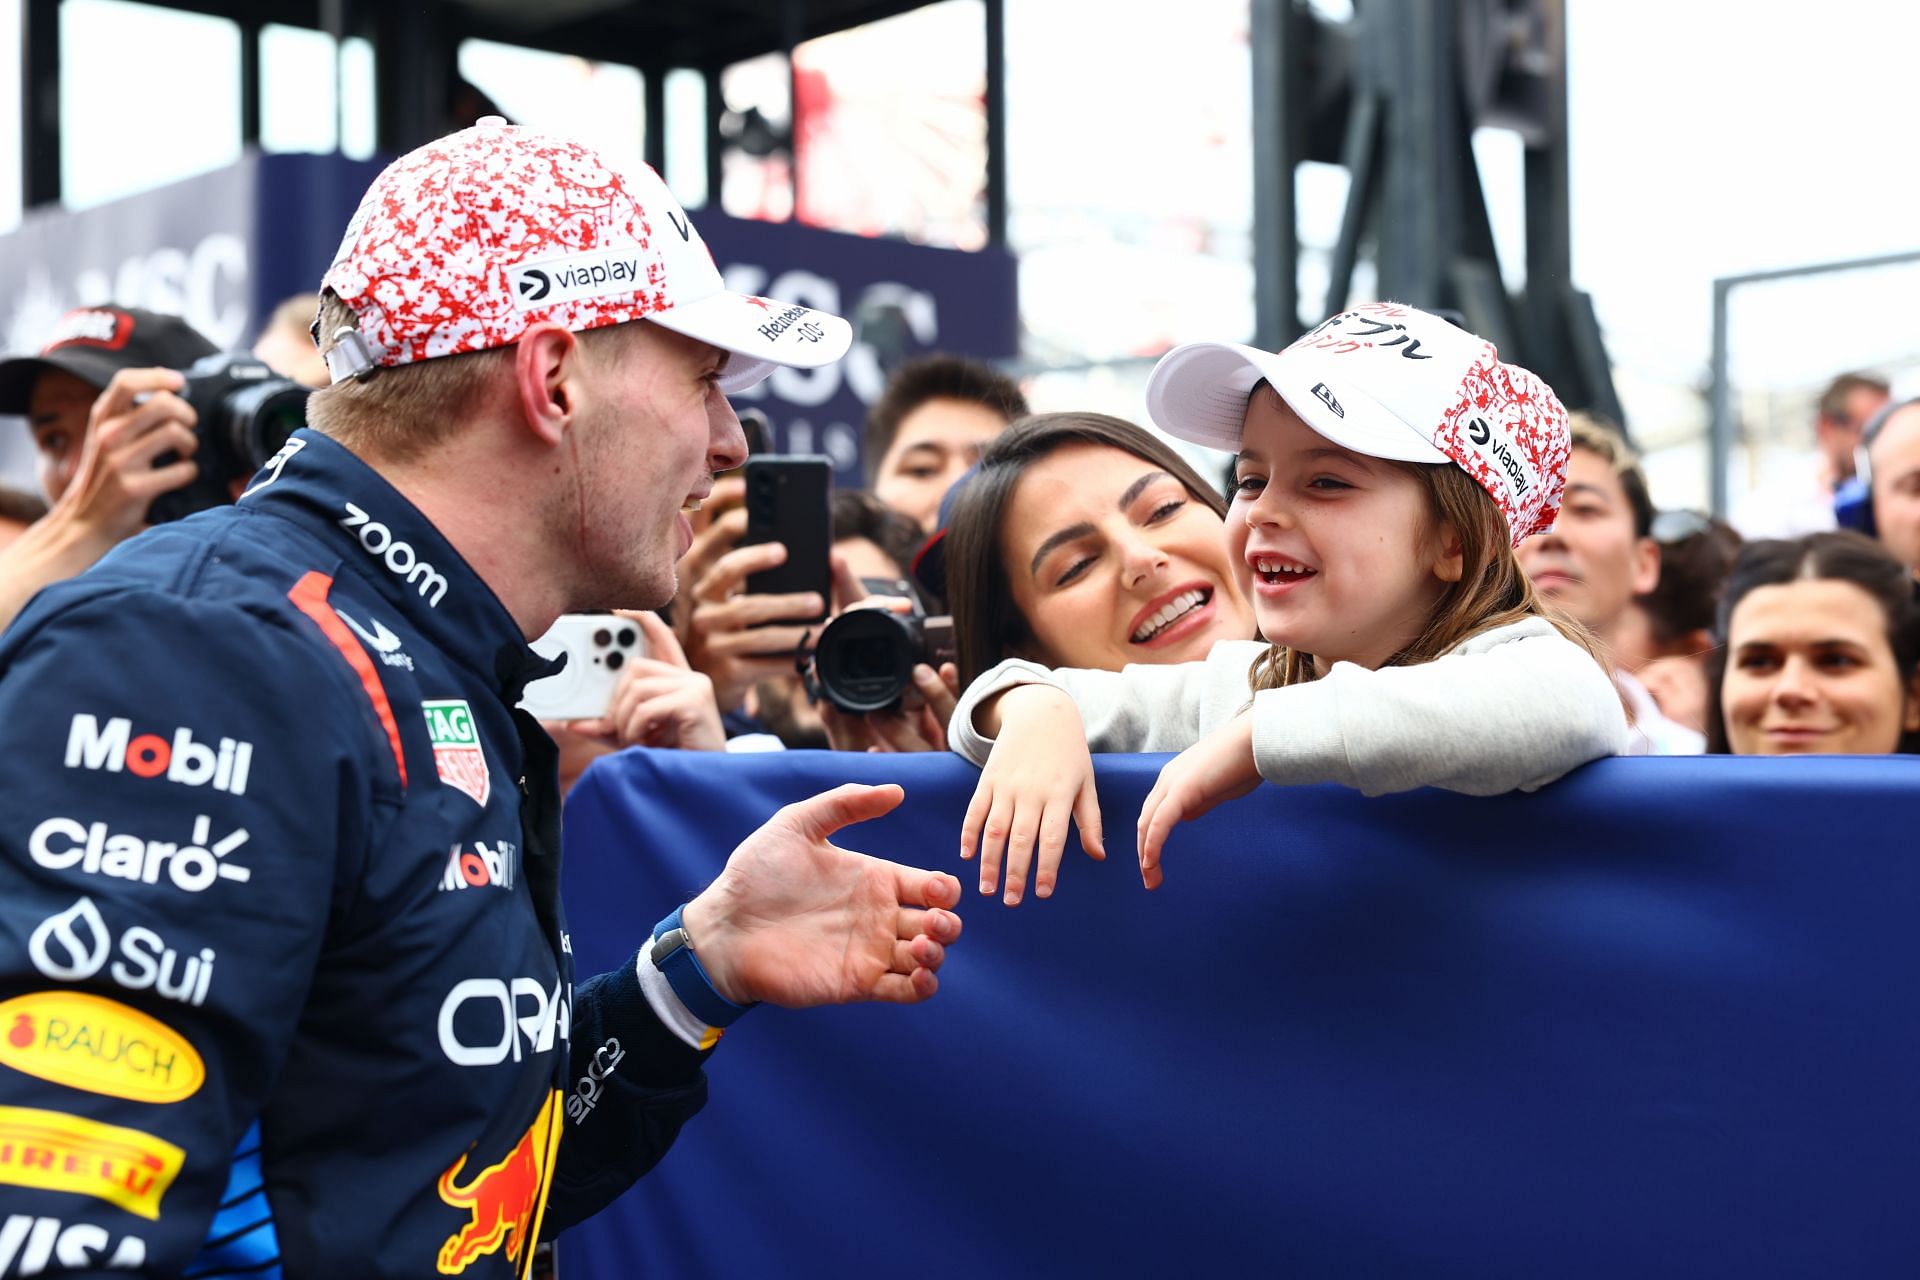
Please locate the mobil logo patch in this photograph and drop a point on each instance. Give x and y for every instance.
(89, 1042)
(502, 1201)
(457, 756)
(113, 747)
(485, 866)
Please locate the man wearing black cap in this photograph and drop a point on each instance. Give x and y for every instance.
(100, 400)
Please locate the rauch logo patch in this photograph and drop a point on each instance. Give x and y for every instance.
(89, 1042)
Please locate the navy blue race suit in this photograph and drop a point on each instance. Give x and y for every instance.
(284, 984)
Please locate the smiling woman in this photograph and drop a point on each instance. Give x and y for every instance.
(1085, 541)
(1821, 652)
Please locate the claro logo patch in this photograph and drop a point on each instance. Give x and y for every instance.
(88, 1042)
(53, 1151)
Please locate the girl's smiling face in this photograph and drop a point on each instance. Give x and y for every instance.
(1340, 553)
(1112, 561)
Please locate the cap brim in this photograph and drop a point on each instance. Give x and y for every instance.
(762, 334)
(1199, 392)
(18, 375)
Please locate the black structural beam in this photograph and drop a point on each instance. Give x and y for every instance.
(39, 102)
(996, 105)
(1420, 79)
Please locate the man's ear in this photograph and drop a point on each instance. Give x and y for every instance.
(1646, 565)
(546, 372)
(1450, 565)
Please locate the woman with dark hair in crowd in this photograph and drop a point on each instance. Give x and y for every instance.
(1821, 651)
(1083, 540)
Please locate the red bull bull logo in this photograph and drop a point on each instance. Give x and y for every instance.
(504, 1200)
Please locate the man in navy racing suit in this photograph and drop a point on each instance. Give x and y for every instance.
(284, 985)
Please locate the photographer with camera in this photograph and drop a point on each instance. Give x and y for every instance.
(102, 401)
(120, 402)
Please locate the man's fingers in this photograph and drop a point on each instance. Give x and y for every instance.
(907, 988)
(771, 644)
(922, 892)
(818, 817)
(159, 480)
(662, 644)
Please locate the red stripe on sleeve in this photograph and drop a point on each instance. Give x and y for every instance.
(309, 595)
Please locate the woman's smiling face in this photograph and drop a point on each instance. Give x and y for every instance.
(1112, 561)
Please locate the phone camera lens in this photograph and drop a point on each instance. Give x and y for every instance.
(626, 637)
(602, 638)
(614, 660)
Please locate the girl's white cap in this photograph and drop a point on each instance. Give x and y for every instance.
(1390, 382)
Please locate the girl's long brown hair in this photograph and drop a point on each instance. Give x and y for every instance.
(1492, 590)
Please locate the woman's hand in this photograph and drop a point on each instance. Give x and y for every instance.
(1038, 777)
(1218, 767)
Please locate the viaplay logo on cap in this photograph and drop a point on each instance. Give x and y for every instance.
(91, 327)
(552, 281)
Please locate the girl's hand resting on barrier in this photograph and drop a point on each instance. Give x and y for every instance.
(1038, 777)
(1218, 767)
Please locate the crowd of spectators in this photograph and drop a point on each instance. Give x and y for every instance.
(1080, 540)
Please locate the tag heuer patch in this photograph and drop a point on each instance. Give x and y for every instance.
(456, 748)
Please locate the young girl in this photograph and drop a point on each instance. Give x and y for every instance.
(1387, 465)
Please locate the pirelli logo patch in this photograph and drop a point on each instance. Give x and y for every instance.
(54, 1151)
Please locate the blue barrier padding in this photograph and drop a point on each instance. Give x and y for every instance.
(1662, 1018)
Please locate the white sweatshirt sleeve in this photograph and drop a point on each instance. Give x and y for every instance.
(1138, 708)
(1513, 708)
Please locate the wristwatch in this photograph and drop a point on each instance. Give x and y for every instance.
(673, 955)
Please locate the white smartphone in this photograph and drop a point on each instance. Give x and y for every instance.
(598, 647)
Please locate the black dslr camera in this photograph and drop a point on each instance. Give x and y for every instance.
(864, 658)
(246, 412)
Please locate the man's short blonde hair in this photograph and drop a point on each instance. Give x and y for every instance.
(398, 413)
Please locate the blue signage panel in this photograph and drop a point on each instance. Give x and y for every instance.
(223, 248)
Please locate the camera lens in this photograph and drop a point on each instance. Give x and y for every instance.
(602, 638)
(614, 660)
(864, 659)
(626, 637)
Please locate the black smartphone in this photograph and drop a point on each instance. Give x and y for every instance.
(790, 501)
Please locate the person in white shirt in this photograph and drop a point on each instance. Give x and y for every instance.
(1387, 463)
(1599, 555)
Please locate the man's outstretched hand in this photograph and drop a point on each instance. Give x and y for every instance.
(797, 921)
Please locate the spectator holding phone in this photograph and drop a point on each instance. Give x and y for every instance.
(1387, 464)
(1821, 652)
